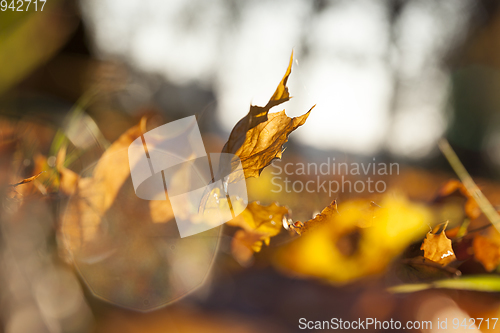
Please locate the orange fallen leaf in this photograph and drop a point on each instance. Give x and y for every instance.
(437, 247)
(471, 207)
(487, 248)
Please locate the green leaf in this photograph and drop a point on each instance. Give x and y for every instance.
(486, 283)
(28, 39)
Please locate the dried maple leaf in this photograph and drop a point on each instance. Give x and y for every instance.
(263, 219)
(326, 216)
(437, 247)
(258, 223)
(487, 248)
(258, 138)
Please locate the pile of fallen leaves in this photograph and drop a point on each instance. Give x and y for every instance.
(346, 241)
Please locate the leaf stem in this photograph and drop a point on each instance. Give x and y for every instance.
(469, 183)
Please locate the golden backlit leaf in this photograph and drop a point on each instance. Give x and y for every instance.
(264, 219)
(258, 223)
(487, 248)
(437, 247)
(258, 138)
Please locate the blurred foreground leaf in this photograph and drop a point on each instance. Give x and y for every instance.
(359, 240)
(93, 196)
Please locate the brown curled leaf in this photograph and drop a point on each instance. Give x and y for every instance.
(326, 216)
(27, 180)
(414, 270)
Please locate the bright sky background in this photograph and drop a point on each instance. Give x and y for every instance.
(348, 72)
